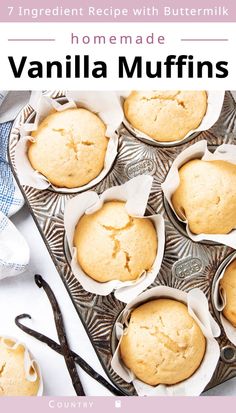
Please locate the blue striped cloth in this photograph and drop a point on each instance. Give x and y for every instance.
(11, 199)
(14, 251)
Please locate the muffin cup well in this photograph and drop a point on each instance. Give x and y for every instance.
(199, 150)
(104, 104)
(32, 369)
(135, 193)
(214, 106)
(219, 299)
(198, 309)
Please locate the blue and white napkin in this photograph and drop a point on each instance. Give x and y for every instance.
(14, 251)
(11, 199)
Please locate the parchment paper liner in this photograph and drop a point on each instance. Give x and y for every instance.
(199, 150)
(29, 361)
(135, 193)
(214, 106)
(219, 299)
(198, 309)
(104, 104)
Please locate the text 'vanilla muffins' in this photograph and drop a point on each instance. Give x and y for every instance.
(206, 196)
(162, 344)
(15, 380)
(69, 147)
(165, 116)
(228, 285)
(111, 245)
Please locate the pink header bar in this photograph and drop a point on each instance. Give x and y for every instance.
(118, 11)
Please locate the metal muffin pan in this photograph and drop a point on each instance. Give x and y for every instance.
(186, 264)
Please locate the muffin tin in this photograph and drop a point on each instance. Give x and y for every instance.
(186, 264)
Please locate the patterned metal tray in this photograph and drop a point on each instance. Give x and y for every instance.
(186, 264)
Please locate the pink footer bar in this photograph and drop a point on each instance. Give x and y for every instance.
(113, 404)
(118, 11)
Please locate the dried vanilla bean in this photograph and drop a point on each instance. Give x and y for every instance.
(69, 360)
(56, 347)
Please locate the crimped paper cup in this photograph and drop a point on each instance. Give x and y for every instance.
(104, 104)
(199, 150)
(198, 309)
(135, 193)
(219, 301)
(214, 106)
(32, 369)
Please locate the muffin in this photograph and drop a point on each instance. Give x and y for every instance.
(165, 116)
(228, 285)
(69, 147)
(13, 380)
(111, 245)
(163, 344)
(206, 196)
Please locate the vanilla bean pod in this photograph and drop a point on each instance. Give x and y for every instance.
(56, 347)
(69, 360)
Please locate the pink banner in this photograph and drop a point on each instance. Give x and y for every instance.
(118, 405)
(118, 11)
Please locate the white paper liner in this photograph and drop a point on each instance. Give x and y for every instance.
(215, 101)
(198, 309)
(135, 193)
(14, 250)
(29, 362)
(225, 152)
(219, 298)
(104, 104)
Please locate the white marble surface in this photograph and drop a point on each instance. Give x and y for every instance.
(21, 295)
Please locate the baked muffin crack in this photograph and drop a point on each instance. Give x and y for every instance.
(72, 145)
(129, 224)
(168, 99)
(117, 245)
(2, 369)
(161, 321)
(160, 97)
(116, 248)
(173, 98)
(127, 258)
(60, 130)
(168, 342)
(71, 141)
(86, 143)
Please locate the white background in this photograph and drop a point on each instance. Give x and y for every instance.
(213, 51)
